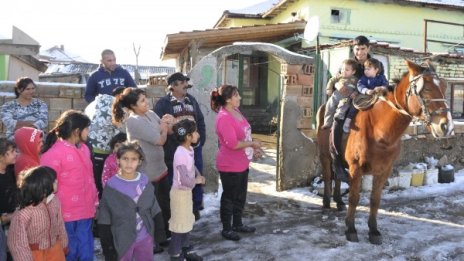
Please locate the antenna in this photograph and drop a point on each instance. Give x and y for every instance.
(311, 29)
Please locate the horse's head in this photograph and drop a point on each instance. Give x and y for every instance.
(425, 99)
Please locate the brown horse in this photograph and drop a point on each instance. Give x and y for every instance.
(373, 143)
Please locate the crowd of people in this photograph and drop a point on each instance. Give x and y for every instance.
(131, 174)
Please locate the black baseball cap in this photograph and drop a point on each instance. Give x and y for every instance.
(177, 77)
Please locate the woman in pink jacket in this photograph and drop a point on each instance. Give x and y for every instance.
(236, 149)
(65, 151)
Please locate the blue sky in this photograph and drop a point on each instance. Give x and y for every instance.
(86, 27)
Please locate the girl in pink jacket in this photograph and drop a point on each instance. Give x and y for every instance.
(65, 151)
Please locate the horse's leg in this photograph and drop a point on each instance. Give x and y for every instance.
(353, 200)
(327, 176)
(338, 196)
(377, 185)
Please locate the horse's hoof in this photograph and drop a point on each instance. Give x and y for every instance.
(341, 206)
(352, 236)
(375, 239)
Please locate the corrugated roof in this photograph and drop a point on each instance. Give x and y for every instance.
(88, 68)
(59, 55)
(257, 8)
(213, 38)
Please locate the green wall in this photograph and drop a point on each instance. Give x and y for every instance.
(3, 67)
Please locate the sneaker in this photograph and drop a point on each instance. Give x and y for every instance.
(244, 229)
(230, 235)
(346, 125)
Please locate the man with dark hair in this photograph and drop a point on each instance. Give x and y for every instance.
(108, 77)
(361, 48)
(181, 105)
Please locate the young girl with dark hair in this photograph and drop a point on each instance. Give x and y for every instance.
(8, 190)
(150, 131)
(128, 206)
(66, 152)
(110, 168)
(37, 230)
(185, 177)
(236, 149)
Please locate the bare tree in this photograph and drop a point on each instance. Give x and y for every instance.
(136, 72)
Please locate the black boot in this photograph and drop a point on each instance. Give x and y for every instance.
(244, 229)
(230, 235)
(336, 151)
(190, 255)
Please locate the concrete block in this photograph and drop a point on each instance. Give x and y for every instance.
(6, 87)
(411, 130)
(70, 92)
(51, 125)
(60, 104)
(459, 128)
(53, 115)
(305, 79)
(291, 79)
(79, 104)
(304, 123)
(48, 91)
(155, 91)
(304, 101)
(307, 112)
(307, 69)
(308, 91)
(294, 90)
(286, 69)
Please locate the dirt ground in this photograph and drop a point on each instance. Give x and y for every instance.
(418, 224)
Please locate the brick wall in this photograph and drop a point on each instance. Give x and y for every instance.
(299, 82)
(444, 68)
(64, 96)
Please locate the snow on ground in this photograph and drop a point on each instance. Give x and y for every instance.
(424, 223)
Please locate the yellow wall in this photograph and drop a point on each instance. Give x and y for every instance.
(394, 23)
(237, 22)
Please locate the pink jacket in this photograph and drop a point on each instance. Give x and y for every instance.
(230, 132)
(76, 186)
(110, 168)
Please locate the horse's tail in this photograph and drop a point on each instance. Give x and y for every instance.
(320, 117)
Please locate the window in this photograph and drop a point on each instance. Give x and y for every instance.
(455, 97)
(339, 16)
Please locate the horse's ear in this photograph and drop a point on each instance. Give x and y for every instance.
(413, 68)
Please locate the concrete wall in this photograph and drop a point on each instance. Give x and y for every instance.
(63, 96)
(18, 69)
(207, 74)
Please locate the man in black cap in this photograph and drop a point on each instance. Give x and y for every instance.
(181, 105)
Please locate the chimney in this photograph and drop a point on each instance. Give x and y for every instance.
(62, 47)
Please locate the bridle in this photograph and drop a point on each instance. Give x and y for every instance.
(413, 90)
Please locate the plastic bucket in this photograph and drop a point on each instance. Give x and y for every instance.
(404, 179)
(431, 176)
(366, 184)
(393, 182)
(417, 177)
(446, 175)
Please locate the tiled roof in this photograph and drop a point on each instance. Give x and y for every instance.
(59, 55)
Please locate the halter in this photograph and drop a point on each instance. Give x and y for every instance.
(412, 90)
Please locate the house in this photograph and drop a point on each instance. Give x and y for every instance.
(272, 85)
(19, 57)
(283, 23)
(67, 67)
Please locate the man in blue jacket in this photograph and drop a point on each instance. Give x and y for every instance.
(108, 77)
(180, 104)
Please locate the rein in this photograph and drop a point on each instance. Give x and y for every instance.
(412, 90)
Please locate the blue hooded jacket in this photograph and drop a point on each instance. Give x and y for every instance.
(104, 82)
